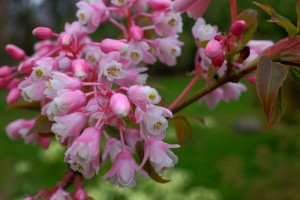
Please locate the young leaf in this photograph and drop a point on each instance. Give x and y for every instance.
(295, 72)
(249, 16)
(182, 128)
(42, 126)
(280, 20)
(269, 79)
(148, 167)
(276, 111)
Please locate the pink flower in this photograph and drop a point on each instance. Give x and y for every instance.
(119, 104)
(168, 49)
(132, 136)
(61, 81)
(213, 98)
(232, 91)
(44, 68)
(195, 8)
(136, 33)
(139, 51)
(153, 122)
(203, 31)
(159, 154)
(122, 172)
(169, 23)
(142, 95)
(80, 69)
(43, 33)
(109, 45)
(15, 52)
(69, 127)
(80, 194)
(66, 102)
(83, 154)
(32, 91)
(111, 149)
(238, 28)
(60, 194)
(13, 95)
(19, 128)
(213, 48)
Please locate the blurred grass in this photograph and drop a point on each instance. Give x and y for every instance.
(239, 165)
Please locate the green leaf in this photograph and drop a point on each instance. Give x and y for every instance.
(148, 167)
(42, 126)
(249, 16)
(182, 128)
(269, 80)
(285, 23)
(295, 72)
(298, 13)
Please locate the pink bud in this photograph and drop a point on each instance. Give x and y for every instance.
(5, 71)
(26, 67)
(109, 45)
(182, 5)
(44, 142)
(65, 39)
(251, 79)
(218, 61)
(119, 104)
(238, 27)
(13, 95)
(3, 82)
(80, 68)
(213, 49)
(80, 195)
(159, 4)
(43, 33)
(15, 52)
(14, 83)
(136, 33)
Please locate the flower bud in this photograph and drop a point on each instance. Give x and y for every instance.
(213, 49)
(109, 45)
(119, 104)
(65, 39)
(13, 95)
(43, 33)
(238, 28)
(14, 83)
(5, 71)
(80, 68)
(159, 4)
(218, 61)
(15, 52)
(80, 195)
(3, 82)
(26, 67)
(136, 33)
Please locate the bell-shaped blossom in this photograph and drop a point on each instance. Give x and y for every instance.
(91, 14)
(132, 136)
(203, 31)
(169, 23)
(111, 149)
(61, 194)
(32, 91)
(159, 154)
(133, 76)
(194, 8)
(232, 91)
(153, 122)
(142, 95)
(168, 49)
(122, 3)
(66, 102)
(44, 68)
(140, 51)
(83, 154)
(122, 172)
(68, 127)
(213, 98)
(92, 54)
(61, 81)
(80, 68)
(119, 105)
(19, 128)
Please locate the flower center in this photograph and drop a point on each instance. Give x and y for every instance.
(172, 22)
(38, 73)
(113, 71)
(157, 125)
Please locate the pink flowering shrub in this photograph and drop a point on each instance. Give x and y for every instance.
(87, 90)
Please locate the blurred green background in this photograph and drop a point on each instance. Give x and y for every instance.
(228, 158)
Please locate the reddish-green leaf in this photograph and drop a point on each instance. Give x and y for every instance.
(269, 79)
(249, 16)
(295, 72)
(280, 20)
(182, 128)
(148, 167)
(298, 13)
(42, 126)
(276, 112)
